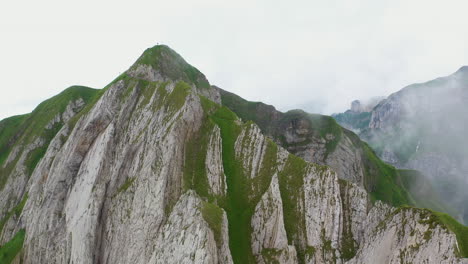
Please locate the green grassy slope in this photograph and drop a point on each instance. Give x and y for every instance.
(460, 231)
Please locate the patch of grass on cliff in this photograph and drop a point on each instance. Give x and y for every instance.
(177, 98)
(291, 183)
(243, 193)
(213, 215)
(349, 246)
(195, 176)
(124, 187)
(148, 90)
(9, 129)
(15, 211)
(9, 251)
(195, 171)
(237, 206)
(382, 181)
(209, 107)
(33, 157)
(261, 182)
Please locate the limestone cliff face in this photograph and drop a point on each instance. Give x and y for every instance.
(406, 236)
(154, 170)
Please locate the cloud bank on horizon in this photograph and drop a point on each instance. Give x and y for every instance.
(315, 55)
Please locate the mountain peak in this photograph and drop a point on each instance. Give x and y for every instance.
(152, 56)
(168, 64)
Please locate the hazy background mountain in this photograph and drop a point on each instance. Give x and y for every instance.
(423, 127)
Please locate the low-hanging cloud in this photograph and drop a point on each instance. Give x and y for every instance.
(423, 127)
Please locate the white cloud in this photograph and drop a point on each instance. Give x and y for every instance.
(286, 53)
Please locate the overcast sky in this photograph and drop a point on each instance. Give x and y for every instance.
(316, 55)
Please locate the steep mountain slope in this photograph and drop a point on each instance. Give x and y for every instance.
(423, 127)
(153, 169)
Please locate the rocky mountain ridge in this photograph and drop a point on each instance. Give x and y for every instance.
(319, 139)
(155, 168)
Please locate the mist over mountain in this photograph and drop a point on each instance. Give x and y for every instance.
(423, 127)
(160, 166)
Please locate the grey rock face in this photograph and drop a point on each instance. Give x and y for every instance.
(250, 147)
(187, 238)
(268, 231)
(19, 181)
(346, 160)
(388, 113)
(214, 164)
(86, 185)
